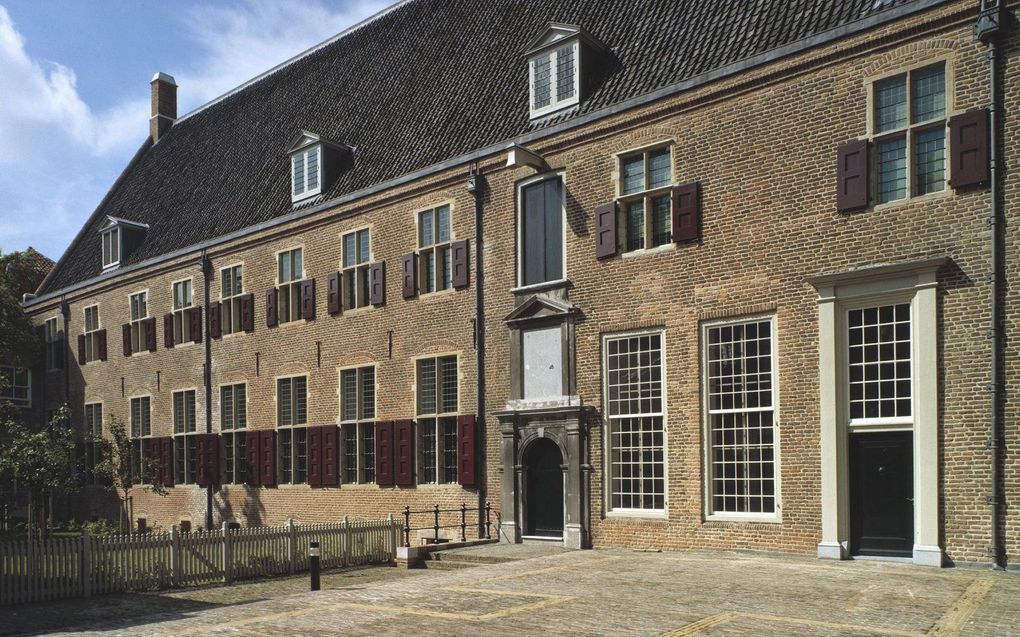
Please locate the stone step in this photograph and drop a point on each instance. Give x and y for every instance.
(449, 565)
(455, 556)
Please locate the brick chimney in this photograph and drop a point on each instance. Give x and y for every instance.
(164, 105)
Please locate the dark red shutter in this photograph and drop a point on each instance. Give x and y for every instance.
(308, 299)
(466, 450)
(168, 331)
(377, 283)
(686, 212)
(403, 463)
(329, 456)
(81, 349)
(267, 457)
(384, 453)
(605, 230)
(201, 479)
(149, 329)
(968, 148)
(196, 324)
(460, 258)
(852, 176)
(248, 312)
(126, 334)
(314, 456)
(207, 471)
(214, 319)
(333, 292)
(101, 346)
(271, 316)
(152, 471)
(166, 460)
(251, 451)
(409, 275)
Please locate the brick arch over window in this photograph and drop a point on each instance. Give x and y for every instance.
(643, 137)
(913, 54)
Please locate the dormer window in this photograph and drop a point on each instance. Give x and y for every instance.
(305, 173)
(314, 164)
(556, 62)
(120, 237)
(111, 247)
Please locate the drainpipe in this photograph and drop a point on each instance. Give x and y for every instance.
(65, 311)
(990, 27)
(476, 186)
(206, 266)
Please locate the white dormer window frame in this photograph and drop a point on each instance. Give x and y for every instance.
(305, 169)
(552, 56)
(113, 246)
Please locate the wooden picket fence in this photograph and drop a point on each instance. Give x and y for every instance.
(63, 568)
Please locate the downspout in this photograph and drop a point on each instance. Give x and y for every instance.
(65, 311)
(476, 186)
(206, 266)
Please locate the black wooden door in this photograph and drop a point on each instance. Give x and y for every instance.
(882, 494)
(545, 490)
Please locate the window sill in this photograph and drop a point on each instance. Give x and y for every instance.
(539, 287)
(232, 334)
(918, 199)
(438, 294)
(639, 515)
(744, 518)
(141, 353)
(647, 252)
(354, 311)
(291, 324)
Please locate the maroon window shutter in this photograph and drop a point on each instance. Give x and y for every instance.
(605, 230)
(267, 457)
(333, 292)
(149, 329)
(251, 450)
(377, 283)
(968, 148)
(403, 464)
(167, 460)
(409, 275)
(168, 331)
(466, 450)
(101, 345)
(126, 333)
(308, 299)
(201, 453)
(207, 472)
(81, 349)
(248, 312)
(460, 257)
(384, 453)
(151, 472)
(314, 457)
(196, 324)
(686, 212)
(271, 316)
(214, 319)
(329, 457)
(852, 176)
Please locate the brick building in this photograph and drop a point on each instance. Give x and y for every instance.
(724, 268)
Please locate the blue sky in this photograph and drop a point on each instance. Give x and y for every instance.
(74, 89)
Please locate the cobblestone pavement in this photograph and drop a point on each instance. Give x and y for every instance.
(617, 592)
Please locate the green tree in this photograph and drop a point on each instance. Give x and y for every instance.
(119, 466)
(20, 272)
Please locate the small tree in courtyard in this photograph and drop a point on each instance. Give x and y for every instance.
(122, 466)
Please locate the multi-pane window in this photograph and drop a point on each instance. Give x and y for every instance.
(880, 372)
(182, 311)
(139, 312)
(111, 247)
(291, 423)
(290, 270)
(185, 441)
(16, 385)
(93, 436)
(357, 424)
(542, 233)
(357, 256)
(231, 290)
(54, 345)
(91, 333)
(436, 271)
(741, 417)
(636, 430)
(141, 428)
(233, 423)
(305, 179)
(437, 419)
(909, 130)
(646, 211)
(554, 79)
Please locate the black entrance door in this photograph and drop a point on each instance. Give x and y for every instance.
(544, 490)
(882, 494)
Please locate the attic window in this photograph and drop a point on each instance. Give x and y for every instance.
(120, 237)
(555, 81)
(111, 247)
(305, 173)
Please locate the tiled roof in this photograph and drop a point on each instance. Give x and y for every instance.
(428, 81)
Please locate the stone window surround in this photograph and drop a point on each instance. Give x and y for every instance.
(914, 282)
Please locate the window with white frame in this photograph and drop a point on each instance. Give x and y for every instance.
(740, 388)
(437, 419)
(111, 247)
(292, 428)
(357, 424)
(231, 291)
(434, 253)
(357, 257)
(91, 333)
(182, 311)
(139, 312)
(646, 201)
(141, 428)
(555, 80)
(290, 270)
(233, 432)
(185, 439)
(16, 385)
(636, 410)
(542, 238)
(55, 347)
(909, 132)
(93, 438)
(305, 177)
(880, 367)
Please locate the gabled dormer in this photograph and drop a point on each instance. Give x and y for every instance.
(314, 164)
(120, 237)
(561, 64)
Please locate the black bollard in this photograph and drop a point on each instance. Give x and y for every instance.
(313, 564)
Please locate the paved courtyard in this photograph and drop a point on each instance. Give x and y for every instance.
(533, 591)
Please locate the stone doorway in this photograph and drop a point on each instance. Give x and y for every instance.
(543, 466)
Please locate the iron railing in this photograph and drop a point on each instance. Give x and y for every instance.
(435, 513)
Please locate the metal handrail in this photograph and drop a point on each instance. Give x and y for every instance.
(436, 526)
